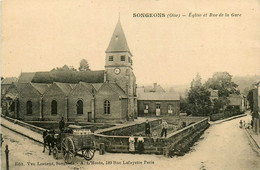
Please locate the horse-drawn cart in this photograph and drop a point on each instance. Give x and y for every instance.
(75, 139)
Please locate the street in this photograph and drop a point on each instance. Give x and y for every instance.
(222, 146)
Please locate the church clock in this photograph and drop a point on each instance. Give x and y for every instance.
(117, 70)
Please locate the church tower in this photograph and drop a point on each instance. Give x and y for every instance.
(119, 69)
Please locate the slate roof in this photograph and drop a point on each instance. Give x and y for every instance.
(9, 80)
(69, 77)
(88, 86)
(118, 89)
(65, 87)
(157, 96)
(18, 86)
(118, 41)
(114, 87)
(41, 88)
(26, 77)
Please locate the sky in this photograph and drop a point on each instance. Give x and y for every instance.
(39, 35)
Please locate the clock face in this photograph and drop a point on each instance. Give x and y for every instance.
(117, 70)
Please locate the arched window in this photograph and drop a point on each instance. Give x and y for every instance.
(29, 108)
(106, 107)
(54, 107)
(80, 107)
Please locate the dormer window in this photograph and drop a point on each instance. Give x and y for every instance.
(122, 58)
(111, 58)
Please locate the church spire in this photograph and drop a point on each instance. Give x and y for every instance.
(118, 41)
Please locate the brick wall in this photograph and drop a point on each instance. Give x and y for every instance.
(120, 144)
(152, 107)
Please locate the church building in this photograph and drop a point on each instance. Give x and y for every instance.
(107, 95)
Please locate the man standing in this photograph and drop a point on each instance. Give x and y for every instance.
(61, 124)
(164, 128)
(147, 128)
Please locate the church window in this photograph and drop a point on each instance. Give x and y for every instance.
(129, 59)
(131, 62)
(29, 108)
(111, 58)
(122, 58)
(80, 107)
(54, 107)
(106, 107)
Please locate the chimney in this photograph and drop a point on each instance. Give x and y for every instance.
(154, 85)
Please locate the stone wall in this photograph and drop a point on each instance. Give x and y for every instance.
(219, 116)
(26, 125)
(130, 129)
(120, 144)
(163, 107)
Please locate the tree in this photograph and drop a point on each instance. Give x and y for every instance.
(64, 68)
(84, 66)
(222, 81)
(199, 103)
(250, 99)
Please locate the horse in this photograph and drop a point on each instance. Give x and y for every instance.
(48, 139)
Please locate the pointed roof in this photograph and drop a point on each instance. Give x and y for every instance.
(114, 87)
(97, 86)
(41, 88)
(118, 41)
(9, 80)
(26, 77)
(65, 87)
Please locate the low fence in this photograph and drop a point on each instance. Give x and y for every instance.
(224, 115)
(55, 125)
(127, 130)
(120, 144)
(24, 124)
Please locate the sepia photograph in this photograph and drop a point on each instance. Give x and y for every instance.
(130, 84)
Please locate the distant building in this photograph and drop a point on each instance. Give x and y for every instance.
(157, 103)
(238, 100)
(155, 88)
(213, 94)
(6, 83)
(256, 108)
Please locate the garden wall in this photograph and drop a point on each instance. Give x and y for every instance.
(127, 130)
(224, 115)
(120, 144)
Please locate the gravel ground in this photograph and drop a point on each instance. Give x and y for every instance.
(222, 146)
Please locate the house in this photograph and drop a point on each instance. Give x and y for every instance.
(155, 88)
(6, 83)
(256, 108)
(237, 101)
(213, 94)
(157, 103)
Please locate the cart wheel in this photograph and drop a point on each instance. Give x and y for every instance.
(88, 154)
(68, 150)
(55, 152)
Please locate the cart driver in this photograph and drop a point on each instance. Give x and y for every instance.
(61, 124)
